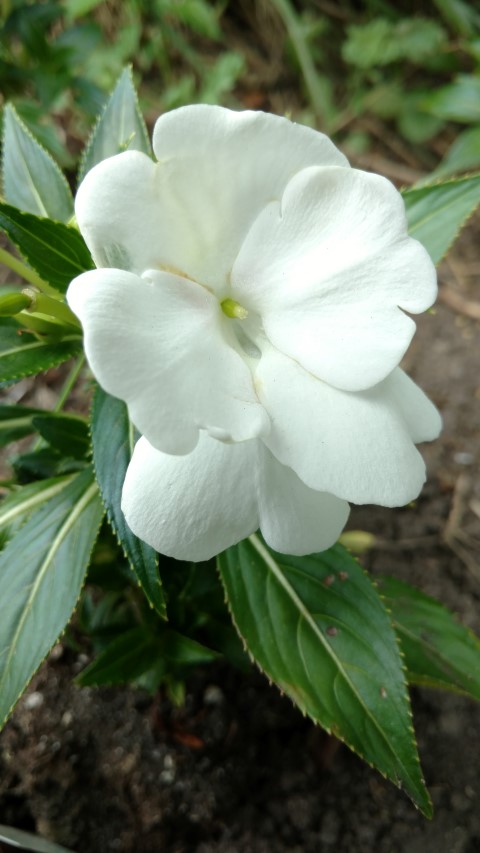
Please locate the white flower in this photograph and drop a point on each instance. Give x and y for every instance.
(249, 307)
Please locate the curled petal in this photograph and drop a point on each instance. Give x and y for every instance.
(148, 340)
(331, 270)
(189, 212)
(192, 507)
(358, 446)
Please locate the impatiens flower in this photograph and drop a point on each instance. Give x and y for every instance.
(249, 307)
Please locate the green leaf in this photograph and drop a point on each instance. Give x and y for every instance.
(66, 433)
(16, 422)
(139, 651)
(112, 441)
(32, 180)
(464, 154)
(22, 354)
(56, 251)
(19, 504)
(42, 570)
(18, 838)
(438, 650)
(437, 212)
(318, 628)
(459, 101)
(120, 127)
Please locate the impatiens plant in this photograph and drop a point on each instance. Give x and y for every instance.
(242, 299)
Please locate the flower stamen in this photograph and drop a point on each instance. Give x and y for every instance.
(233, 309)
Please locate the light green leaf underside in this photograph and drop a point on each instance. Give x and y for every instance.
(42, 571)
(32, 181)
(112, 442)
(439, 651)
(437, 212)
(318, 628)
(120, 127)
(20, 503)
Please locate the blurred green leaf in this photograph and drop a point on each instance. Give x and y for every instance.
(437, 212)
(458, 101)
(463, 155)
(120, 127)
(57, 252)
(32, 180)
(462, 16)
(50, 552)
(112, 442)
(18, 838)
(22, 354)
(382, 42)
(16, 422)
(221, 78)
(438, 650)
(318, 628)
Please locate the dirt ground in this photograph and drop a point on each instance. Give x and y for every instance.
(238, 770)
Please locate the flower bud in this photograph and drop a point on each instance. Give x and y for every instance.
(13, 303)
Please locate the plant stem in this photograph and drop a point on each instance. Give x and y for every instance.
(17, 266)
(310, 76)
(43, 304)
(69, 383)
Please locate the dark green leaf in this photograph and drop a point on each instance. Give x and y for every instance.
(42, 570)
(439, 651)
(112, 441)
(318, 628)
(120, 127)
(23, 354)
(66, 433)
(32, 180)
(18, 838)
(16, 422)
(43, 463)
(140, 651)
(57, 252)
(463, 155)
(437, 212)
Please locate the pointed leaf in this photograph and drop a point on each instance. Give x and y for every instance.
(57, 252)
(112, 440)
(318, 628)
(464, 154)
(66, 433)
(42, 571)
(20, 503)
(23, 354)
(437, 212)
(32, 181)
(438, 650)
(120, 127)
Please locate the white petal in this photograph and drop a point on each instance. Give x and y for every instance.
(329, 270)
(118, 212)
(189, 213)
(192, 507)
(421, 417)
(293, 518)
(354, 445)
(159, 345)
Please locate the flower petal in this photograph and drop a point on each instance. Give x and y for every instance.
(329, 269)
(295, 519)
(159, 345)
(192, 507)
(357, 446)
(190, 212)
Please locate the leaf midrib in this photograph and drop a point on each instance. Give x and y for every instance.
(275, 569)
